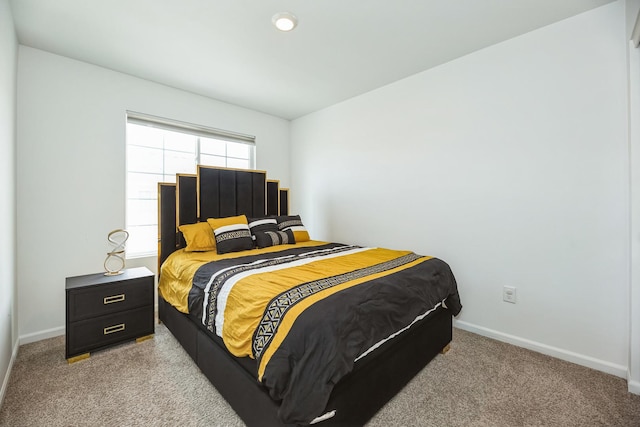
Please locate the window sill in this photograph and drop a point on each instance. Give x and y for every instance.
(141, 255)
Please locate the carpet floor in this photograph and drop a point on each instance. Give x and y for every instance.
(480, 382)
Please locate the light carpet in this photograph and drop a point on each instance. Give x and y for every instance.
(480, 382)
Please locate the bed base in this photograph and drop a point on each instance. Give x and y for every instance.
(356, 398)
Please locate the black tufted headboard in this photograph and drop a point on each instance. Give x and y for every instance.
(214, 192)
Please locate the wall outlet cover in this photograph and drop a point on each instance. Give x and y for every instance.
(509, 294)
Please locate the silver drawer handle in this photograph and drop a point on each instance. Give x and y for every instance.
(114, 328)
(112, 299)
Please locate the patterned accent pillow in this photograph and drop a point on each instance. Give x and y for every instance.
(262, 225)
(233, 238)
(219, 222)
(199, 237)
(274, 238)
(293, 223)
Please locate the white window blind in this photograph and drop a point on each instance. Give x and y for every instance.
(157, 149)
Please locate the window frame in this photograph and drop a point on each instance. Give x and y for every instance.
(199, 132)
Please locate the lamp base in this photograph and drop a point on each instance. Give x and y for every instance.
(114, 273)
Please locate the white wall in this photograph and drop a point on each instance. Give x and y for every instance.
(71, 168)
(632, 8)
(8, 317)
(511, 164)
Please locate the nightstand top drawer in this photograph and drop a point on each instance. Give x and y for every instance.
(98, 298)
(100, 278)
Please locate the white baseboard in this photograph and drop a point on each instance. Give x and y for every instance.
(633, 386)
(42, 335)
(7, 375)
(569, 356)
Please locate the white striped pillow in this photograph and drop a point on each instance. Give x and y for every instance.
(233, 238)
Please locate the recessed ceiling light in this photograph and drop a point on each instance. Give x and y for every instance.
(284, 21)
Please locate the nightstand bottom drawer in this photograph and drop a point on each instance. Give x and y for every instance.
(92, 334)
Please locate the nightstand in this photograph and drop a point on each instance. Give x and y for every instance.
(106, 310)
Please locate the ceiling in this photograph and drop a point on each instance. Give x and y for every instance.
(230, 51)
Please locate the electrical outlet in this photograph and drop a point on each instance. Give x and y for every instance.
(509, 294)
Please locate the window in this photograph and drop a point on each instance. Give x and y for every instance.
(157, 149)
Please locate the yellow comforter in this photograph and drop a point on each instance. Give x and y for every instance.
(176, 274)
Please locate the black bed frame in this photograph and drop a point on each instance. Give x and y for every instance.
(218, 192)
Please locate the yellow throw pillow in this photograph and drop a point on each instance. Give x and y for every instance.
(230, 220)
(199, 237)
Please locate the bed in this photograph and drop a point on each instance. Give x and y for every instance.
(290, 333)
